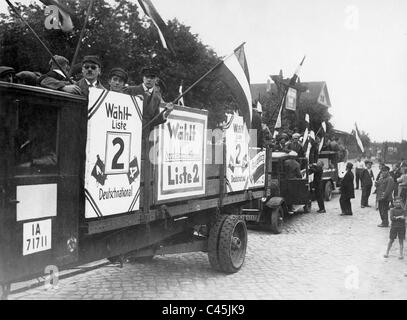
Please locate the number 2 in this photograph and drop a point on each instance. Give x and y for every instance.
(238, 147)
(116, 165)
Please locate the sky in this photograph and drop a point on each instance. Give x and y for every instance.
(358, 47)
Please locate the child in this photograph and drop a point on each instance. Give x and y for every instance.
(398, 226)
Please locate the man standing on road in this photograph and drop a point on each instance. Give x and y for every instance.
(366, 180)
(318, 170)
(385, 187)
(359, 167)
(347, 191)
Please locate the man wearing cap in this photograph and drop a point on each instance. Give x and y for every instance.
(295, 145)
(366, 179)
(347, 191)
(117, 79)
(91, 70)
(6, 74)
(55, 78)
(384, 189)
(152, 98)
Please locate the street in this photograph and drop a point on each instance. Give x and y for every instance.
(317, 256)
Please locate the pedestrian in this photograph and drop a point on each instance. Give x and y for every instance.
(381, 165)
(403, 185)
(117, 79)
(385, 187)
(347, 191)
(91, 71)
(366, 180)
(395, 174)
(398, 226)
(55, 79)
(152, 99)
(359, 167)
(318, 170)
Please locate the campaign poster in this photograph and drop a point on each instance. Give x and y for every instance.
(113, 154)
(182, 154)
(237, 154)
(257, 167)
(291, 99)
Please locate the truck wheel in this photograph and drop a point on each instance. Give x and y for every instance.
(232, 244)
(276, 220)
(213, 242)
(328, 191)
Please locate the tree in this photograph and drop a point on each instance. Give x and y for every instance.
(115, 32)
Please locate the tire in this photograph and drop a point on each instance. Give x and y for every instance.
(276, 220)
(328, 191)
(213, 242)
(232, 244)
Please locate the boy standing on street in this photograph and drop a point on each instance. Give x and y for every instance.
(398, 226)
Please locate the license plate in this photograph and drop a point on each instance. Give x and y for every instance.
(251, 217)
(36, 236)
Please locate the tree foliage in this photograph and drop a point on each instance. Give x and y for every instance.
(115, 32)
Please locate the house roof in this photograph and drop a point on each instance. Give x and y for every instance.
(317, 92)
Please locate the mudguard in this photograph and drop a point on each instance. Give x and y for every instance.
(275, 202)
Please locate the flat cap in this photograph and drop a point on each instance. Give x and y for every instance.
(60, 59)
(119, 72)
(92, 59)
(368, 161)
(150, 71)
(6, 70)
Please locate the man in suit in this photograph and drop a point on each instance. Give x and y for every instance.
(385, 188)
(318, 171)
(152, 99)
(91, 71)
(347, 191)
(366, 179)
(55, 79)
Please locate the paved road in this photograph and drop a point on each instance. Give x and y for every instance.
(318, 256)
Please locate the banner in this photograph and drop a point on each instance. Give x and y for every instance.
(113, 153)
(237, 154)
(291, 99)
(181, 154)
(257, 167)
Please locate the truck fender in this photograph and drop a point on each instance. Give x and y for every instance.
(274, 202)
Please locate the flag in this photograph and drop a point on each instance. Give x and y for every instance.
(98, 171)
(64, 15)
(134, 171)
(321, 144)
(163, 32)
(259, 107)
(307, 126)
(234, 73)
(181, 100)
(359, 142)
(297, 73)
(278, 121)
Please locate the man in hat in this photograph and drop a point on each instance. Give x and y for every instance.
(256, 125)
(384, 189)
(91, 71)
(347, 191)
(117, 79)
(55, 79)
(152, 98)
(366, 179)
(295, 145)
(6, 74)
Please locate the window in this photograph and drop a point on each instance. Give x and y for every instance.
(36, 140)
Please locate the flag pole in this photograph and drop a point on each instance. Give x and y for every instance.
(194, 84)
(38, 38)
(75, 56)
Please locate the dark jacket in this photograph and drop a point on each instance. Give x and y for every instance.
(292, 169)
(385, 188)
(318, 172)
(151, 104)
(85, 87)
(347, 187)
(297, 147)
(53, 80)
(366, 178)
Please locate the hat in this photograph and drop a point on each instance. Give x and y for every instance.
(385, 168)
(296, 136)
(60, 59)
(120, 73)
(149, 71)
(6, 70)
(349, 165)
(92, 59)
(368, 161)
